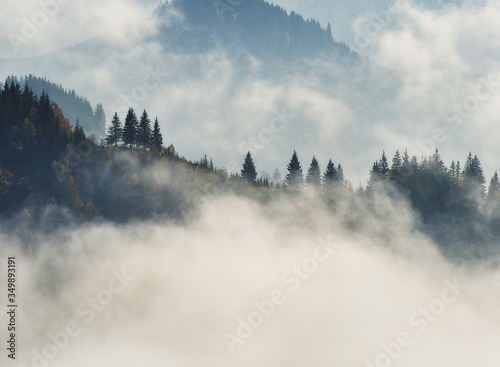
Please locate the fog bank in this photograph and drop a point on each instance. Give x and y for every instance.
(315, 292)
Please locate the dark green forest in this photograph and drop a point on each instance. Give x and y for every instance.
(53, 175)
(75, 107)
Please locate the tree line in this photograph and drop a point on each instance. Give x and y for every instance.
(430, 184)
(45, 160)
(134, 132)
(452, 201)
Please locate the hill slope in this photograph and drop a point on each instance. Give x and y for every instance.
(264, 29)
(93, 121)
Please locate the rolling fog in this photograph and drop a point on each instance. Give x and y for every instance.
(245, 284)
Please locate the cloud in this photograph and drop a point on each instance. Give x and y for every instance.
(166, 293)
(442, 58)
(38, 27)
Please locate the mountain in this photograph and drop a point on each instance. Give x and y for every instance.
(263, 29)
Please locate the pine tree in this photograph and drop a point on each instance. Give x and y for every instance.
(99, 119)
(294, 176)
(406, 157)
(329, 35)
(249, 173)
(78, 133)
(130, 128)
(397, 165)
(379, 172)
(473, 176)
(397, 162)
(406, 169)
(144, 131)
(266, 181)
(330, 174)
(494, 188)
(340, 174)
(313, 177)
(170, 151)
(156, 138)
(384, 164)
(333, 179)
(375, 175)
(115, 131)
(454, 176)
(437, 164)
(452, 168)
(204, 162)
(439, 185)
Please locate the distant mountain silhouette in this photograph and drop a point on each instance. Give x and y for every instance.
(266, 30)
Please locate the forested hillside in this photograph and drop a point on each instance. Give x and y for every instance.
(92, 120)
(33, 133)
(264, 29)
(52, 171)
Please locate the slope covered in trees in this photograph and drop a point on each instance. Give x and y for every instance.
(266, 30)
(51, 170)
(33, 133)
(75, 107)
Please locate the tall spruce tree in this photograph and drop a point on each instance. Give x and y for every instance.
(78, 133)
(204, 162)
(406, 169)
(473, 176)
(340, 174)
(115, 131)
(494, 188)
(375, 175)
(333, 179)
(99, 124)
(397, 165)
(330, 174)
(329, 35)
(436, 164)
(384, 164)
(313, 177)
(130, 128)
(294, 178)
(156, 137)
(144, 132)
(379, 172)
(249, 173)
